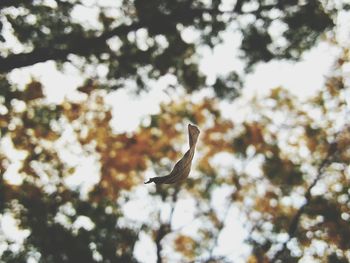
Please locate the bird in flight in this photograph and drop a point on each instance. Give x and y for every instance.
(182, 168)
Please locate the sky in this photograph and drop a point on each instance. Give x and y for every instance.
(303, 78)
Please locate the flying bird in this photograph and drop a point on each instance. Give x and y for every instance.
(182, 168)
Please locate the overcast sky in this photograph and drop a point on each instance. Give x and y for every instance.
(303, 78)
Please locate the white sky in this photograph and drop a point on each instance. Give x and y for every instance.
(303, 78)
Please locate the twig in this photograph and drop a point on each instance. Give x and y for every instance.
(221, 226)
(296, 218)
(165, 228)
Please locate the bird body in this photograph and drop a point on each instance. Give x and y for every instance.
(182, 168)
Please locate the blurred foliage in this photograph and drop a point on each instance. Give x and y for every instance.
(140, 40)
(284, 166)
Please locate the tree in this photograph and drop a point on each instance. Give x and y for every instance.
(287, 176)
(286, 171)
(49, 210)
(142, 40)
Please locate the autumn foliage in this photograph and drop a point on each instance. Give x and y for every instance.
(282, 171)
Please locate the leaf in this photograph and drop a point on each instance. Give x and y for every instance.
(186, 245)
(33, 91)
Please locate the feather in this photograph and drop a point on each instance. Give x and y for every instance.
(182, 168)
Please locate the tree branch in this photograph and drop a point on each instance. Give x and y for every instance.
(165, 228)
(77, 45)
(81, 45)
(7, 3)
(296, 218)
(219, 230)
